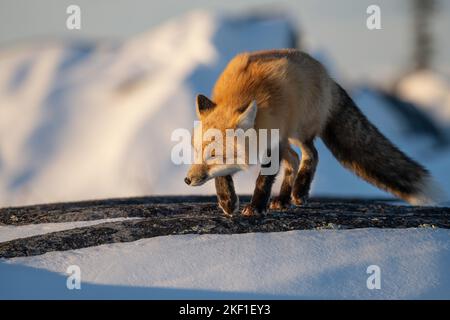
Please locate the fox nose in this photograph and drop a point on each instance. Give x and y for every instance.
(187, 180)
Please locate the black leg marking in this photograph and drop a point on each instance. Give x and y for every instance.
(305, 176)
(283, 200)
(226, 195)
(261, 194)
(285, 191)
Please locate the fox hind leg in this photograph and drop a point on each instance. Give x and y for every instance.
(291, 164)
(305, 175)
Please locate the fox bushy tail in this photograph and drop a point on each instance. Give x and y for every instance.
(360, 147)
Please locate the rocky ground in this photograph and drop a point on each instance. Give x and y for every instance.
(160, 216)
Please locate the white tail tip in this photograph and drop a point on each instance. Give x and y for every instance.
(430, 194)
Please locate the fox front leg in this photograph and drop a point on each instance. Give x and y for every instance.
(261, 195)
(263, 188)
(226, 195)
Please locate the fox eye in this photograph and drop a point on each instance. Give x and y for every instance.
(212, 155)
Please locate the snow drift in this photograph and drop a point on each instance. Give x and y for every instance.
(312, 264)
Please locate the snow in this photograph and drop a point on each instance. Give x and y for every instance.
(8, 233)
(431, 91)
(309, 264)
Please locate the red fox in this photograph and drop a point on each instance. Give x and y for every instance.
(290, 91)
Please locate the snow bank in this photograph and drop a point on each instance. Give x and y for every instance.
(325, 264)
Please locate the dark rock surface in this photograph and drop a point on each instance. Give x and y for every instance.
(162, 216)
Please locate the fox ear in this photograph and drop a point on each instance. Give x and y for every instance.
(203, 104)
(247, 119)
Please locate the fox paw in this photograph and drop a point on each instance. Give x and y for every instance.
(279, 203)
(250, 211)
(299, 201)
(229, 207)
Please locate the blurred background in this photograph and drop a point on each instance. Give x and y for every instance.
(88, 113)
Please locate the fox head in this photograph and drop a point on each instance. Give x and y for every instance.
(212, 159)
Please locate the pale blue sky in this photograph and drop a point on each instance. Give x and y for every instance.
(338, 27)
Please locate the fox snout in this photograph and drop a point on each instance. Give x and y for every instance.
(197, 175)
